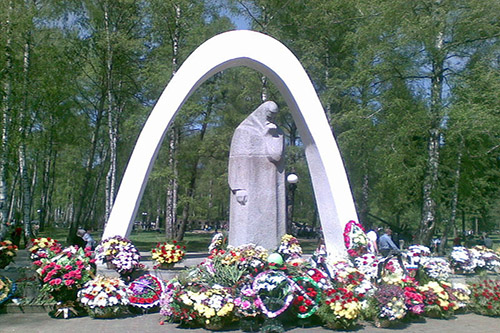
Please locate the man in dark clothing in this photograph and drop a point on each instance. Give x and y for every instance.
(388, 249)
(385, 243)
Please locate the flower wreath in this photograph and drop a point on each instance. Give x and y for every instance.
(307, 301)
(145, 291)
(270, 280)
(355, 238)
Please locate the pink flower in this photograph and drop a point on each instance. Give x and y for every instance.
(69, 282)
(237, 301)
(258, 302)
(55, 282)
(245, 305)
(68, 267)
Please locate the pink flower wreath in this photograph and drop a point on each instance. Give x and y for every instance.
(353, 249)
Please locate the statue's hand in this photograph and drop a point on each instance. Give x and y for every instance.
(241, 196)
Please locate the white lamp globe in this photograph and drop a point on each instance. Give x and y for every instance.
(292, 178)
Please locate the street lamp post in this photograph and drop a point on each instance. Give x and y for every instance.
(292, 180)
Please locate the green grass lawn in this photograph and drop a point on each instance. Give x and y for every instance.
(195, 241)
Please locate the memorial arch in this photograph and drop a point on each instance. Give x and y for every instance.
(271, 58)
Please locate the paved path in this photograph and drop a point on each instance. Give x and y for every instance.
(41, 322)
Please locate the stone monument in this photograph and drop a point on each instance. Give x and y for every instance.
(272, 59)
(257, 180)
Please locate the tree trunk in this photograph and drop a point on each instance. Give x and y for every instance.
(78, 212)
(24, 123)
(6, 109)
(112, 120)
(428, 219)
(428, 222)
(173, 186)
(454, 200)
(194, 175)
(365, 191)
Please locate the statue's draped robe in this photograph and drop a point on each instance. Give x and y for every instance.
(256, 164)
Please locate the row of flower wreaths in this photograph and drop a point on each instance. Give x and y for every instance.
(258, 290)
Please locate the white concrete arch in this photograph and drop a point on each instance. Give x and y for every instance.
(273, 59)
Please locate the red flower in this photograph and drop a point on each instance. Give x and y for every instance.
(302, 309)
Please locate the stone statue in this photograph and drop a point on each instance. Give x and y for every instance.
(257, 180)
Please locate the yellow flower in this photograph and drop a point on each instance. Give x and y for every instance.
(186, 300)
(227, 308)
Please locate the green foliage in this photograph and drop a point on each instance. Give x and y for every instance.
(387, 72)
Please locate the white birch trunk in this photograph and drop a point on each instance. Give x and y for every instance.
(7, 91)
(24, 121)
(428, 219)
(112, 123)
(173, 186)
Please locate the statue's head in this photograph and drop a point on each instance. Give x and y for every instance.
(271, 109)
(266, 112)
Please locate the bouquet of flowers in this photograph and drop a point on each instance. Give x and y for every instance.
(388, 303)
(486, 258)
(320, 277)
(290, 248)
(104, 297)
(44, 248)
(352, 279)
(439, 299)
(462, 295)
(245, 302)
(335, 265)
(415, 253)
(167, 301)
(462, 260)
(485, 297)
(145, 291)
(436, 268)
(65, 273)
(340, 308)
(393, 268)
(218, 242)
(368, 265)
(7, 253)
(355, 239)
(167, 254)
(248, 257)
(414, 299)
(120, 253)
(195, 304)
